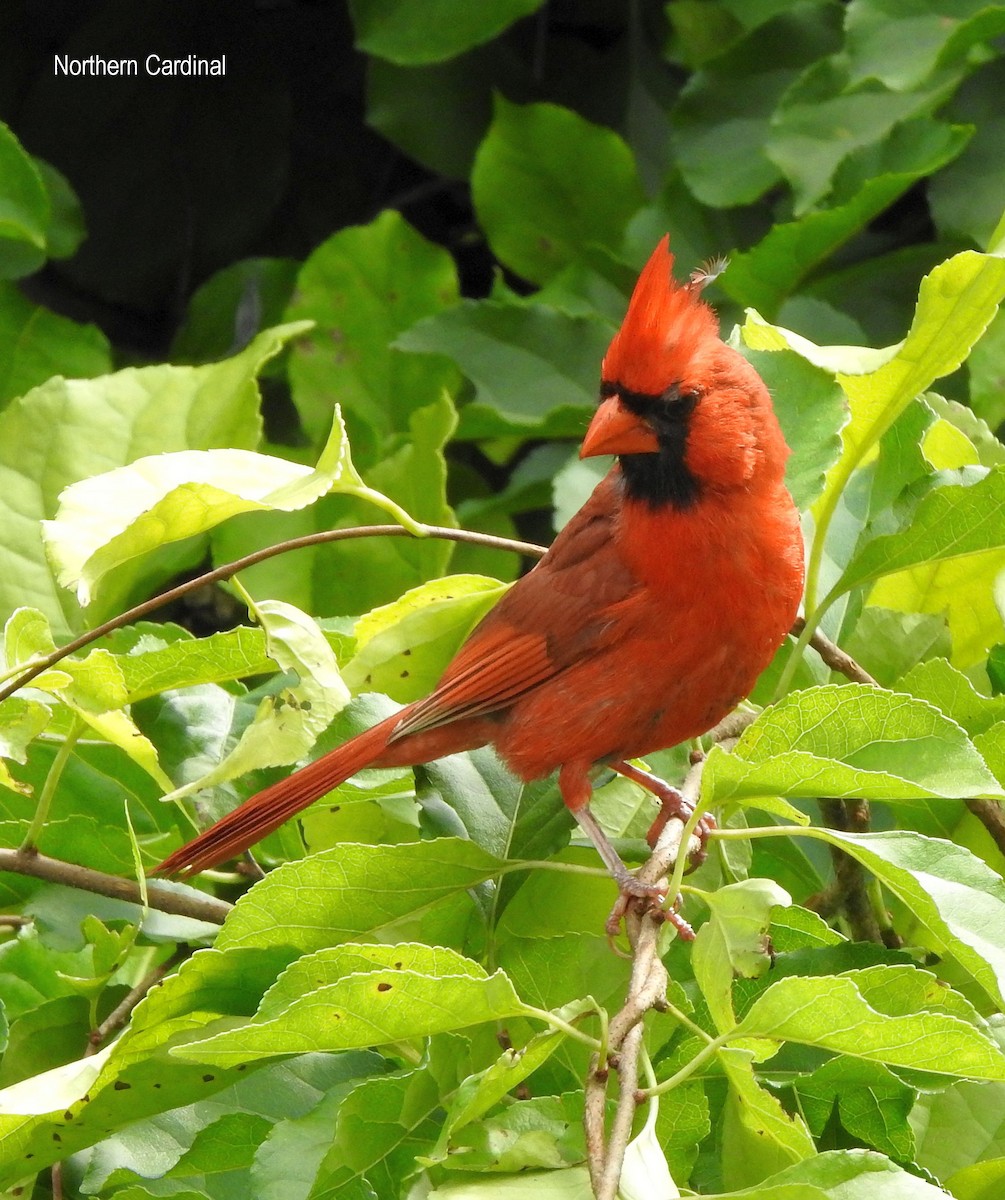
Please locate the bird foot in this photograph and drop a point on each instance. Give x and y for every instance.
(648, 900)
(683, 813)
(672, 805)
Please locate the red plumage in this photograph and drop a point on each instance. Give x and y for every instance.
(651, 615)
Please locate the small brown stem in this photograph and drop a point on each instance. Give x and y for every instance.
(832, 654)
(991, 815)
(161, 897)
(119, 1015)
(13, 921)
(250, 560)
(646, 990)
(850, 877)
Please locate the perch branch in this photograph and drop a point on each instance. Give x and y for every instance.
(160, 897)
(832, 654)
(646, 990)
(249, 560)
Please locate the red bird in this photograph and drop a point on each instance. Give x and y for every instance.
(650, 617)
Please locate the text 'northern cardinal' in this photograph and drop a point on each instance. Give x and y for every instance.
(650, 617)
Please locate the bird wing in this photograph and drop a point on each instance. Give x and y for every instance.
(566, 608)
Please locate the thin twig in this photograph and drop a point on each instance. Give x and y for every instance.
(991, 815)
(119, 1015)
(851, 880)
(161, 897)
(250, 560)
(832, 654)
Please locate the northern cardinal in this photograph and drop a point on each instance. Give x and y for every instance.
(650, 617)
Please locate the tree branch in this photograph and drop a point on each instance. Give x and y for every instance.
(646, 990)
(834, 656)
(161, 897)
(119, 1015)
(250, 560)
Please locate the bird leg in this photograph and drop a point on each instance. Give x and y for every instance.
(672, 804)
(651, 895)
(574, 784)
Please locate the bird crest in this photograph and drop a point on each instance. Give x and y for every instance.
(665, 324)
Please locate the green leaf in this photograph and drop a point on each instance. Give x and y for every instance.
(67, 430)
(547, 185)
(65, 231)
(402, 648)
(979, 1181)
(24, 210)
(724, 116)
(46, 1117)
(551, 938)
(36, 344)
(437, 29)
(534, 368)
(945, 560)
(363, 287)
(569, 1183)
(542, 1131)
(481, 1092)
(953, 893)
(830, 1012)
(844, 1175)
(823, 119)
(759, 1136)
(949, 689)
(872, 1103)
(358, 996)
(92, 687)
(154, 665)
(951, 521)
(344, 1136)
(21, 721)
(497, 810)
(359, 574)
(889, 643)
(232, 306)
(734, 941)
(902, 45)
(811, 410)
(765, 275)
(109, 519)
(288, 723)
(849, 740)
(355, 891)
(956, 302)
(965, 198)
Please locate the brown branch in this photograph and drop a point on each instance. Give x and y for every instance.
(646, 990)
(119, 1015)
(161, 897)
(832, 654)
(849, 893)
(991, 815)
(249, 560)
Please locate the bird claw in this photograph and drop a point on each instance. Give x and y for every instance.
(648, 900)
(673, 805)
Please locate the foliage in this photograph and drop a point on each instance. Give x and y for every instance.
(410, 998)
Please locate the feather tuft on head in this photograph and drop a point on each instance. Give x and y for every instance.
(665, 324)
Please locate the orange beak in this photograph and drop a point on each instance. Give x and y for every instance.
(616, 430)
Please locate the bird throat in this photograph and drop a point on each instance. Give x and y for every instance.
(662, 479)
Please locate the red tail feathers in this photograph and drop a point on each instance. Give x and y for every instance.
(260, 815)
